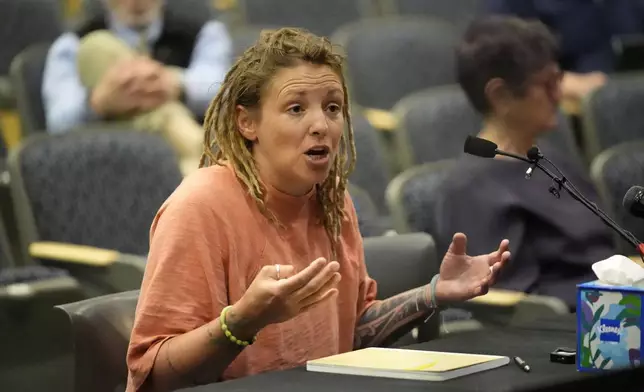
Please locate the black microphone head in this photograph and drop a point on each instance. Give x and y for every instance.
(633, 198)
(479, 147)
(534, 153)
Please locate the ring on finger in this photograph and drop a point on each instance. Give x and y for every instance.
(277, 269)
(491, 269)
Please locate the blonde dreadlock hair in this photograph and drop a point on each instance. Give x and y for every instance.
(243, 85)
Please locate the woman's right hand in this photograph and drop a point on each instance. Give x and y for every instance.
(274, 299)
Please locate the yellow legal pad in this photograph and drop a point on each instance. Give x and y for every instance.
(406, 364)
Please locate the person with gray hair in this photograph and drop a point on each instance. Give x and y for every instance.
(139, 63)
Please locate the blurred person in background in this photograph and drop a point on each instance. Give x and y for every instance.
(256, 261)
(508, 69)
(585, 29)
(137, 63)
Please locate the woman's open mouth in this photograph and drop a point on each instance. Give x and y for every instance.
(318, 155)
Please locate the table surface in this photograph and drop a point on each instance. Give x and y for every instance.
(533, 342)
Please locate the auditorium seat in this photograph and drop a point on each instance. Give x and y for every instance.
(389, 58)
(100, 328)
(411, 196)
(433, 124)
(3, 156)
(26, 73)
(6, 254)
(24, 22)
(245, 36)
(3, 150)
(85, 200)
(6, 209)
(370, 221)
(614, 171)
(458, 12)
(320, 17)
(194, 10)
(21, 286)
(613, 114)
(30, 338)
(373, 165)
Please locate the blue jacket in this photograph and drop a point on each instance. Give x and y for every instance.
(585, 27)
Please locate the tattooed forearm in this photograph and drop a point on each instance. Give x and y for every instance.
(385, 321)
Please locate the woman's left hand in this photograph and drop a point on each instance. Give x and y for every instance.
(463, 277)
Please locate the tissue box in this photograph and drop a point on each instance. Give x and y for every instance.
(609, 326)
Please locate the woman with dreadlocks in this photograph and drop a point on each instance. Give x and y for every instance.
(256, 262)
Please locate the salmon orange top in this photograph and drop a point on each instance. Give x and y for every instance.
(208, 242)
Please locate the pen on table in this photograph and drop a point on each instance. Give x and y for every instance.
(522, 364)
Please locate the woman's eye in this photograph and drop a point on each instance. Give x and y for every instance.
(333, 108)
(295, 109)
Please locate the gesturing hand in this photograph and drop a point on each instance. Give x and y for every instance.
(274, 299)
(463, 277)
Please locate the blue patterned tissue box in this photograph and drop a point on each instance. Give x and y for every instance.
(609, 326)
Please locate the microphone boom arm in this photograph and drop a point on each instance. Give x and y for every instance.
(519, 157)
(486, 149)
(563, 183)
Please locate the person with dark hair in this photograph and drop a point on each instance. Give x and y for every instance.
(256, 261)
(508, 69)
(586, 29)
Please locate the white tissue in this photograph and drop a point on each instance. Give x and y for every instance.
(619, 270)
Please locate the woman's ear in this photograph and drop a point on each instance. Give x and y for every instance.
(497, 95)
(246, 123)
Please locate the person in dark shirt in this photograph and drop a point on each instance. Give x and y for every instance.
(509, 72)
(585, 29)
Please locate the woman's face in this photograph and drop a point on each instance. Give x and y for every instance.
(297, 130)
(536, 110)
(136, 13)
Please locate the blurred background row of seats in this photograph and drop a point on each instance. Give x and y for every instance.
(358, 25)
(410, 120)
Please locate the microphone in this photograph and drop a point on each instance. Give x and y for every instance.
(480, 147)
(633, 201)
(487, 149)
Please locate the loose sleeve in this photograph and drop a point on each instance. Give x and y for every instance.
(184, 280)
(367, 289)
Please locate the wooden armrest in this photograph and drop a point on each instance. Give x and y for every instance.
(224, 5)
(10, 127)
(497, 297)
(381, 119)
(70, 253)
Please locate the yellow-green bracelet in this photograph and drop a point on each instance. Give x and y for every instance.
(229, 335)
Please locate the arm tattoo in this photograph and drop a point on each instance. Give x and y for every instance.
(387, 320)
